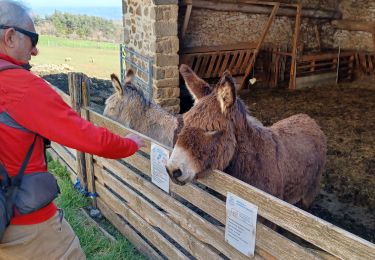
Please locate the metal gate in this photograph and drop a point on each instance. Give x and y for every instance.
(142, 66)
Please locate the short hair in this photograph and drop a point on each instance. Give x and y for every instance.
(13, 13)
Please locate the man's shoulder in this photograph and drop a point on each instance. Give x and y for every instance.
(16, 83)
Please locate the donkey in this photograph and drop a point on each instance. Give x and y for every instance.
(130, 107)
(285, 160)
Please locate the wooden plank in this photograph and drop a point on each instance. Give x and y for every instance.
(238, 66)
(223, 66)
(65, 156)
(136, 240)
(72, 152)
(158, 219)
(186, 218)
(216, 72)
(233, 62)
(219, 48)
(198, 62)
(148, 231)
(211, 66)
(186, 20)
(328, 237)
(317, 35)
(297, 28)
(260, 42)
(267, 240)
(55, 156)
(202, 69)
(246, 61)
(324, 56)
(62, 94)
(257, 7)
(350, 25)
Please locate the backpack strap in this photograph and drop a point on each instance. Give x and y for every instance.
(6, 119)
(16, 181)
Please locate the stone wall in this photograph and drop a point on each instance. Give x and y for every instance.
(150, 29)
(358, 10)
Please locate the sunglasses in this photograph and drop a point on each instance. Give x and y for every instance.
(34, 37)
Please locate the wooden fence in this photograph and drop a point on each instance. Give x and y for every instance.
(190, 221)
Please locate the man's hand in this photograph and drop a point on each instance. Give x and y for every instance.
(139, 141)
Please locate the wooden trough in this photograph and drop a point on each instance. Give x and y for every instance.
(162, 226)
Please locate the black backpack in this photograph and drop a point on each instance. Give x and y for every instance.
(8, 191)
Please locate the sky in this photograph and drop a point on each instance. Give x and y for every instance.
(71, 3)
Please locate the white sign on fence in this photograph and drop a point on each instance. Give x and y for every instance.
(159, 158)
(240, 228)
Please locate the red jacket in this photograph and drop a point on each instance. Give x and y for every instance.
(33, 104)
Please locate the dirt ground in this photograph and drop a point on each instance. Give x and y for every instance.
(346, 114)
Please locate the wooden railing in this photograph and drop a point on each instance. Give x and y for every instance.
(190, 221)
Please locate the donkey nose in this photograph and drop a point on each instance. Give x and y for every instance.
(176, 173)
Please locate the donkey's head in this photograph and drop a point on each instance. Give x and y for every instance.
(207, 140)
(127, 99)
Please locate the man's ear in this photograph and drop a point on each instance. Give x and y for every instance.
(197, 87)
(117, 85)
(9, 37)
(226, 92)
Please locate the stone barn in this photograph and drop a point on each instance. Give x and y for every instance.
(272, 44)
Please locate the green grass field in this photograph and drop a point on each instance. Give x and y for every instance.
(82, 56)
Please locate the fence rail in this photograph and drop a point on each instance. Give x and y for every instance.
(190, 221)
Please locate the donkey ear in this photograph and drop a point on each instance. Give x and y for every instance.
(226, 92)
(117, 85)
(197, 87)
(129, 76)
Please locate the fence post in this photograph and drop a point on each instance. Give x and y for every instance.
(75, 89)
(88, 157)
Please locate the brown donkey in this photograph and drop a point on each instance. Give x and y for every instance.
(131, 108)
(285, 160)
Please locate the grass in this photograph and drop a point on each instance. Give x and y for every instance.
(80, 55)
(53, 41)
(95, 245)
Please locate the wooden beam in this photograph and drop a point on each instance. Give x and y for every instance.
(186, 20)
(317, 35)
(351, 25)
(292, 80)
(260, 42)
(256, 7)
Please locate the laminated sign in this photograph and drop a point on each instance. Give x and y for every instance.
(159, 175)
(240, 226)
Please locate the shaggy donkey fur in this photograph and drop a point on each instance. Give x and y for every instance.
(130, 107)
(285, 160)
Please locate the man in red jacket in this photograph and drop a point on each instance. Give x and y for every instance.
(28, 102)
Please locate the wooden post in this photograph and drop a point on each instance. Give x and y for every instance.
(75, 89)
(260, 42)
(88, 157)
(317, 34)
(186, 20)
(293, 72)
